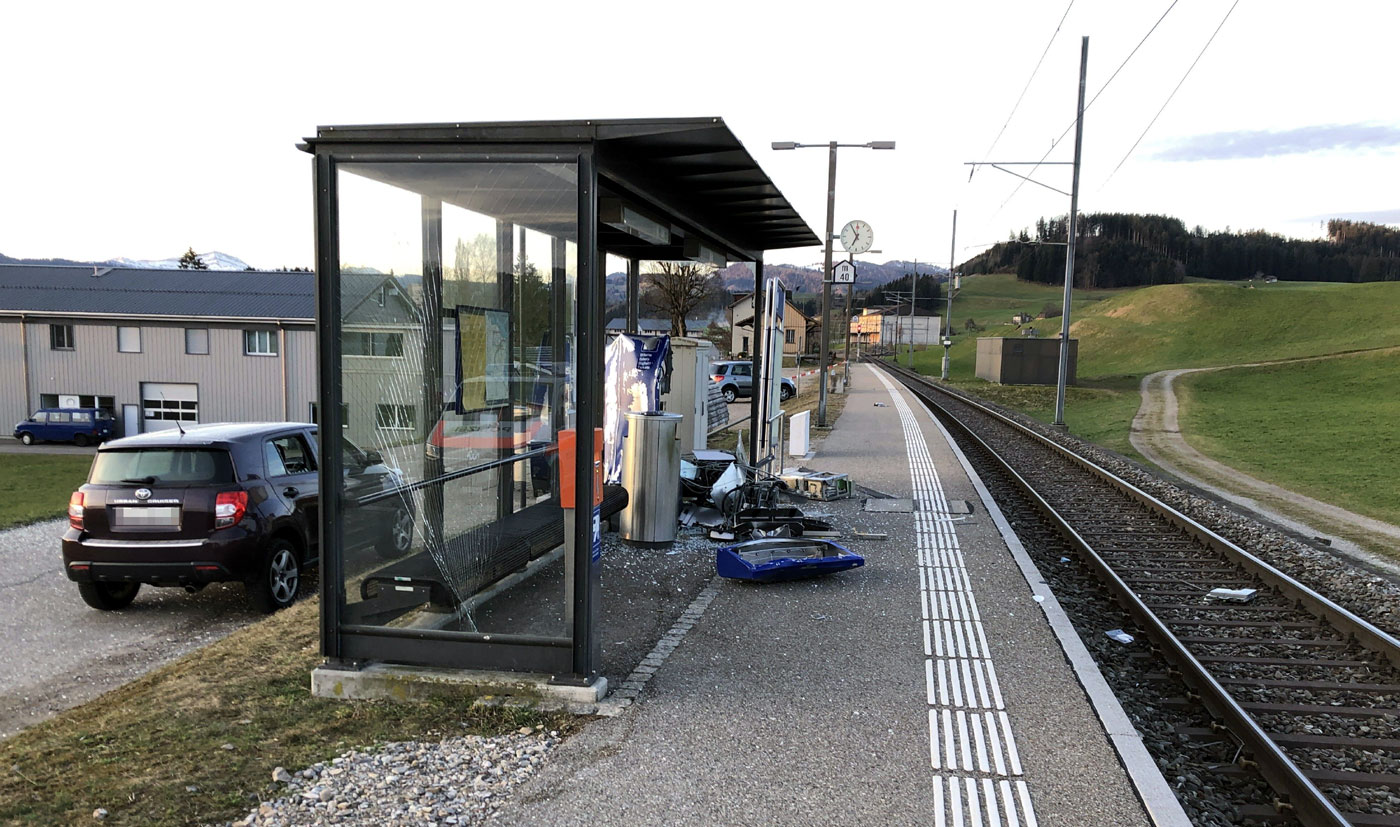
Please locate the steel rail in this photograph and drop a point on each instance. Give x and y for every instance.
(1301, 797)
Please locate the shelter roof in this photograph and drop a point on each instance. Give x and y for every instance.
(694, 169)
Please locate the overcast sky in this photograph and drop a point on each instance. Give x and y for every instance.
(136, 129)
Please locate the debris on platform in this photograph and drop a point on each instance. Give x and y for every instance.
(1233, 595)
(1119, 635)
(870, 535)
(882, 404)
(772, 560)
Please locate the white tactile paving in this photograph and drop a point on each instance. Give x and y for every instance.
(977, 773)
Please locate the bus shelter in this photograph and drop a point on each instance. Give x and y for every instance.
(460, 522)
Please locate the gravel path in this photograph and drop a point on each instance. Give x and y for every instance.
(1156, 434)
(60, 653)
(457, 781)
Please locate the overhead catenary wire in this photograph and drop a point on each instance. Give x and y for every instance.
(1173, 93)
(1027, 87)
(1105, 85)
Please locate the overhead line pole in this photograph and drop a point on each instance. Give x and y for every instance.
(1073, 237)
(948, 326)
(1070, 242)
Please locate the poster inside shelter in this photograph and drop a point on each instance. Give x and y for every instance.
(483, 358)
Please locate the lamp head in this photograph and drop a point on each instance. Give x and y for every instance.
(785, 145)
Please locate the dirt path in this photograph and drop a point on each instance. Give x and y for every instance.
(1156, 434)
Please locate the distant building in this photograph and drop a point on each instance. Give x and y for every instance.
(157, 347)
(798, 329)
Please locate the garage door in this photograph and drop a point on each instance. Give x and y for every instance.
(165, 403)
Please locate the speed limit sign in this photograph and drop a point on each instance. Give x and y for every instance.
(844, 273)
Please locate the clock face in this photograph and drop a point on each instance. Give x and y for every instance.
(856, 237)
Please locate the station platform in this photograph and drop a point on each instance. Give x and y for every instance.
(939, 684)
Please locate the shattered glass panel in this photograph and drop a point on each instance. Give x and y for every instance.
(457, 372)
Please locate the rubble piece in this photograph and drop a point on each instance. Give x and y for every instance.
(1119, 635)
(890, 506)
(870, 535)
(827, 486)
(1233, 595)
(774, 560)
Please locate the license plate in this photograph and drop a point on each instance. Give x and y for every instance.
(148, 517)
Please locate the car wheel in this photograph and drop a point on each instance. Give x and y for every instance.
(108, 596)
(27, 438)
(729, 395)
(399, 538)
(278, 579)
(80, 440)
(785, 393)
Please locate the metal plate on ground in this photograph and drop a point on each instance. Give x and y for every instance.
(959, 507)
(890, 506)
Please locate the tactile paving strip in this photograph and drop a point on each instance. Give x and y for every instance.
(976, 770)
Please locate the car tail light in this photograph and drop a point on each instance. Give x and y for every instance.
(229, 508)
(75, 510)
(717, 377)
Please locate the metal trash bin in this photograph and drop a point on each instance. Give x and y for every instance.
(651, 473)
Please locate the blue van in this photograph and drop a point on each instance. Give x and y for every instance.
(80, 426)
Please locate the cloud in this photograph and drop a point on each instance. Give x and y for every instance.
(1373, 216)
(1221, 146)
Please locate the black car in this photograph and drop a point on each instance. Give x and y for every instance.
(217, 503)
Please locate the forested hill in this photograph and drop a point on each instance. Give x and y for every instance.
(1127, 250)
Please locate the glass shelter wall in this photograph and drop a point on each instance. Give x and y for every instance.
(457, 374)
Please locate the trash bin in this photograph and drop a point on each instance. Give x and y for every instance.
(651, 473)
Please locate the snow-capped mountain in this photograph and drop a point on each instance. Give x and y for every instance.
(214, 260)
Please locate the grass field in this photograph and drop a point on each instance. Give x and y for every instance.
(1327, 427)
(36, 487)
(136, 750)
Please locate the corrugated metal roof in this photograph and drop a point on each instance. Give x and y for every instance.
(181, 293)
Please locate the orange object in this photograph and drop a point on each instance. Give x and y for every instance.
(568, 449)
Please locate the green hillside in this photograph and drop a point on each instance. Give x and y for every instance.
(1327, 427)
(1126, 334)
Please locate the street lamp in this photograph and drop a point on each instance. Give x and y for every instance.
(832, 146)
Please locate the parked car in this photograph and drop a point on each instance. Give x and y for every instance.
(80, 426)
(220, 503)
(735, 379)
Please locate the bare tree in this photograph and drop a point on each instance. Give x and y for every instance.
(678, 288)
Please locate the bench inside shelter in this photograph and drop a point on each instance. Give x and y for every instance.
(507, 545)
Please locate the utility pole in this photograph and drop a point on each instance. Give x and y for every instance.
(913, 298)
(948, 326)
(1069, 251)
(822, 360)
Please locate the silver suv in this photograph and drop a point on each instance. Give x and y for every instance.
(735, 379)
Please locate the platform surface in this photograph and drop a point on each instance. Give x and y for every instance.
(925, 688)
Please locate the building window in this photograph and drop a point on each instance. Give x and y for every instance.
(745, 347)
(790, 336)
(128, 340)
(394, 417)
(381, 294)
(171, 410)
(260, 342)
(344, 414)
(197, 341)
(61, 337)
(354, 343)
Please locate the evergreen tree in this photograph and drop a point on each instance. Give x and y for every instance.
(191, 261)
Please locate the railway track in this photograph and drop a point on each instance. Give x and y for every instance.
(1308, 691)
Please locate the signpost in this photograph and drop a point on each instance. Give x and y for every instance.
(845, 273)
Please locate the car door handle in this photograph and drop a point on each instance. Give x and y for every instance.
(290, 491)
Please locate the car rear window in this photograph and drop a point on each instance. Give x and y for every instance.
(158, 466)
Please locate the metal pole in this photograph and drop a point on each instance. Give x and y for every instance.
(913, 296)
(826, 286)
(846, 352)
(1069, 251)
(948, 325)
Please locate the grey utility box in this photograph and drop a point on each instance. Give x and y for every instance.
(1024, 361)
(651, 474)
